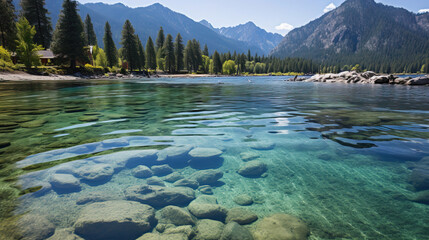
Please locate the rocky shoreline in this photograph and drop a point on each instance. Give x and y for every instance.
(365, 78)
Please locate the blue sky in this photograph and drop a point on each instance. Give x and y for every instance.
(273, 15)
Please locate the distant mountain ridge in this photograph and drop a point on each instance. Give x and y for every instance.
(359, 29)
(249, 33)
(147, 21)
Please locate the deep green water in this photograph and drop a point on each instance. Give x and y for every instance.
(339, 161)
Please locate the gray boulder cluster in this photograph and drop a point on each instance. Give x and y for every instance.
(366, 77)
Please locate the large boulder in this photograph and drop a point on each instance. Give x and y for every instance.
(419, 81)
(96, 172)
(205, 158)
(175, 215)
(379, 79)
(281, 226)
(240, 216)
(142, 172)
(114, 220)
(206, 207)
(209, 230)
(207, 177)
(35, 227)
(234, 231)
(161, 170)
(368, 74)
(175, 155)
(64, 182)
(159, 197)
(253, 169)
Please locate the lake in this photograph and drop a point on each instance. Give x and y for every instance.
(339, 157)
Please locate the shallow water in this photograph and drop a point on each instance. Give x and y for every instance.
(339, 160)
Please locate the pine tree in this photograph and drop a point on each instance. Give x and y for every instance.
(129, 45)
(142, 55)
(26, 48)
(160, 39)
(196, 51)
(110, 47)
(69, 39)
(206, 50)
(189, 57)
(168, 48)
(90, 37)
(217, 64)
(37, 15)
(178, 53)
(7, 24)
(150, 55)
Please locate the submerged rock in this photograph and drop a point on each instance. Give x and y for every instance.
(158, 196)
(234, 231)
(66, 182)
(191, 183)
(161, 170)
(205, 158)
(243, 200)
(206, 189)
(205, 153)
(186, 230)
(173, 177)
(114, 220)
(265, 145)
(94, 197)
(420, 175)
(205, 207)
(248, 156)
(175, 215)
(174, 154)
(281, 226)
(422, 197)
(253, 169)
(96, 172)
(155, 181)
(65, 234)
(142, 171)
(207, 177)
(209, 230)
(141, 157)
(240, 216)
(33, 124)
(158, 236)
(33, 227)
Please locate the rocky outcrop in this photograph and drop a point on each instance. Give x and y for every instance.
(366, 78)
(114, 220)
(158, 196)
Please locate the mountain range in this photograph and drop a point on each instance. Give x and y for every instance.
(148, 20)
(359, 30)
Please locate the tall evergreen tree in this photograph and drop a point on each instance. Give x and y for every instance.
(196, 51)
(142, 55)
(206, 50)
(110, 47)
(69, 38)
(7, 24)
(160, 39)
(170, 61)
(150, 55)
(129, 45)
(90, 37)
(189, 56)
(178, 53)
(217, 64)
(37, 15)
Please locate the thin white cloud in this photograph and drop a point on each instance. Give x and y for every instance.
(423, 10)
(329, 8)
(284, 27)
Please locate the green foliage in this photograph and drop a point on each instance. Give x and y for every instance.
(178, 53)
(37, 15)
(150, 55)
(7, 24)
(101, 59)
(5, 61)
(69, 40)
(160, 39)
(90, 37)
(88, 69)
(217, 64)
(205, 64)
(170, 60)
(110, 47)
(141, 52)
(26, 49)
(129, 45)
(357, 68)
(193, 57)
(229, 68)
(206, 50)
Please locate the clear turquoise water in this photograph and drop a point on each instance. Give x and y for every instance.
(339, 162)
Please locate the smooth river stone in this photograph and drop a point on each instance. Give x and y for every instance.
(253, 169)
(205, 153)
(265, 145)
(142, 171)
(65, 234)
(33, 226)
(243, 200)
(175, 215)
(115, 220)
(207, 209)
(191, 183)
(173, 177)
(209, 230)
(159, 197)
(248, 156)
(159, 236)
(161, 170)
(240, 216)
(281, 226)
(234, 231)
(155, 181)
(65, 182)
(207, 177)
(96, 173)
(175, 153)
